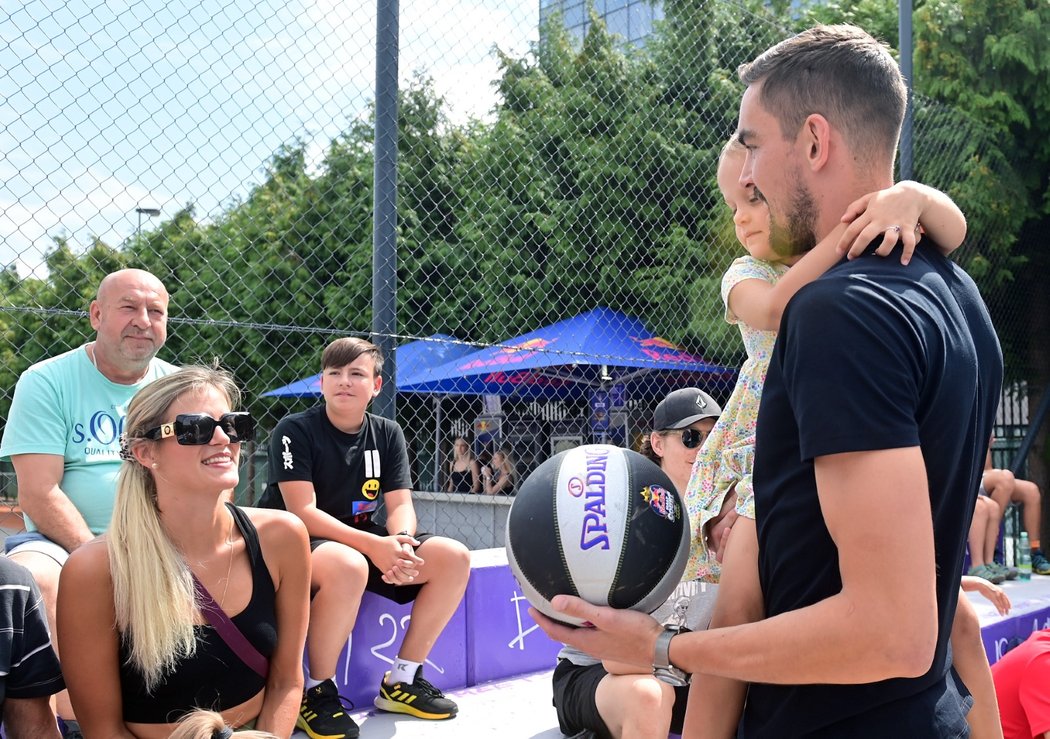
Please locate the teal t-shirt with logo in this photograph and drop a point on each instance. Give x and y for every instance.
(65, 406)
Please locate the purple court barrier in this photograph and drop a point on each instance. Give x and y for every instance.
(503, 639)
(1004, 635)
(490, 637)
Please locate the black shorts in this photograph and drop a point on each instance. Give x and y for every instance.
(574, 688)
(400, 594)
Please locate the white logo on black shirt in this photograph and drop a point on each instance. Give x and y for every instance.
(286, 455)
(372, 467)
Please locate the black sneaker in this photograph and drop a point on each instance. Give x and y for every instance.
(419, 699)
(322, 715)
(71, 730)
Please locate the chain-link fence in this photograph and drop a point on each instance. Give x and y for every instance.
(558, 210)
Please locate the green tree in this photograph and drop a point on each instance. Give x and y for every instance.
(40, 318)
(993, 60)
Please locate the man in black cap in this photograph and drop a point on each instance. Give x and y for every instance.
(681, 424)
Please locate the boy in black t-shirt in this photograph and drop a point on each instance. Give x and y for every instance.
(335, 466)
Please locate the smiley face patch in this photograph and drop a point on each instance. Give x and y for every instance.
(370, 489)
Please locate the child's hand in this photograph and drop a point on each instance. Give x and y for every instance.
(723, 540)
(717, 529)
(989, 590)
(892, 213)
(718, 534)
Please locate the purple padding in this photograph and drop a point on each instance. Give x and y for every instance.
(372, 647)
(1002, 636)
(997, 638)
(503, 640)
(490, 637)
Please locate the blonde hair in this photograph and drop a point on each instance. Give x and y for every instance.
(732, 146)
(509, 464)
(202, 724)
(153, 594)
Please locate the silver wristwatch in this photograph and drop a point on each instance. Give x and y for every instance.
(663, 670)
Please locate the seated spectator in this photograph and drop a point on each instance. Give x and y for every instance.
(983, 536)
(500, 477)
(464, 472)
(612, 699)
(1002, 487)
(60, 433)
(1021, 678)
(336, 466)
(145, 610)
(29, 671)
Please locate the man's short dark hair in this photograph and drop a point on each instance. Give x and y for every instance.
(342, 352)
(841, 73)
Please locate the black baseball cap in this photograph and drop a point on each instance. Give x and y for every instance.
(684, 407)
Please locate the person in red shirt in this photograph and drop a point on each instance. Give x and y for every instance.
(1021, 677)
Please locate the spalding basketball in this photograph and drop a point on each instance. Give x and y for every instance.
(600, 522)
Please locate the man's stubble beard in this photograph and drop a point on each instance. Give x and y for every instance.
(797, 236)
(137, 359)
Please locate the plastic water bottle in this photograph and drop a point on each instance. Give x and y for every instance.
(1024, 558)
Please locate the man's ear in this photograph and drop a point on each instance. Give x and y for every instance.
(815, 139)
(95, 314)
(377, 386)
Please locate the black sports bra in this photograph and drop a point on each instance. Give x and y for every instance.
(462, 482)
(214, 677)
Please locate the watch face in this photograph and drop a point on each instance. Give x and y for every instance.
(672, 676)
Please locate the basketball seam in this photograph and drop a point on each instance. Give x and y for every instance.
(627, 519)
(519, 570)
(557, 534)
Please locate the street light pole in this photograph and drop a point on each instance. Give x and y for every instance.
(151, 212)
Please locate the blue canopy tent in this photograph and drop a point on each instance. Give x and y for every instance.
(413, 360)
(597, 349)
(603, 355)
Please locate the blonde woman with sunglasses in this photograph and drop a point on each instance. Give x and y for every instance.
(142, 652)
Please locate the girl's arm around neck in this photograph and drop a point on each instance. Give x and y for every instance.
(760, 304)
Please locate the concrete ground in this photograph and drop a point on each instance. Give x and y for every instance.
(515, 709)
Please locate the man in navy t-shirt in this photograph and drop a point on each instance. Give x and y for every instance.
(880, 396)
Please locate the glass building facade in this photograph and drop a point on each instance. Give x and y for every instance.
(632, 20)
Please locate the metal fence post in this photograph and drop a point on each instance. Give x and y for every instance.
(384, 236)
(904, 12)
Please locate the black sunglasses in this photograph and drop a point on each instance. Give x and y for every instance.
(691, 438)
(195, 429)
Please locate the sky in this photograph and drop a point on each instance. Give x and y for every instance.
(110, 105)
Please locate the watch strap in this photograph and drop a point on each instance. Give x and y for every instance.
(663, 670)
(662, 653)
